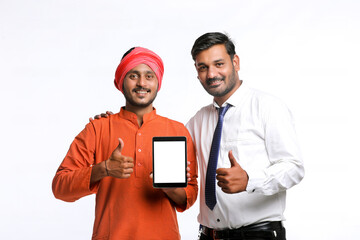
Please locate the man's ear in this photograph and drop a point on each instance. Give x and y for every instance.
(236, 62)
(196, 70)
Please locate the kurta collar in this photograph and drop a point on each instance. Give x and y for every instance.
(133, 117)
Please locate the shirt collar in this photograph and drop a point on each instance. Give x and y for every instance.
(132, 117)
(237, 97)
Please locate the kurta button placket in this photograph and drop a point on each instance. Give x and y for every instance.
(139, 154)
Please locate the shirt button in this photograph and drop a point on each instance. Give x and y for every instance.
(139, 150)
(139, 134)
(139, 164)
(218, 220)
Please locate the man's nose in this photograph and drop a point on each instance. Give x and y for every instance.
(141, 81)
(211, 72)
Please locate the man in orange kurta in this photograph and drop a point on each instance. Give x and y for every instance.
(112, 157)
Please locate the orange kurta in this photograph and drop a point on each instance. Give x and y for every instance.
(125, 208)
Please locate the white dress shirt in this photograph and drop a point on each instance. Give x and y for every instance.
(259, 130)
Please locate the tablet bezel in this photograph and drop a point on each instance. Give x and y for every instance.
(169, 184)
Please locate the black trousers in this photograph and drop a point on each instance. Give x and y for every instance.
(251, 233)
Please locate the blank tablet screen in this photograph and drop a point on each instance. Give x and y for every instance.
(169, 162)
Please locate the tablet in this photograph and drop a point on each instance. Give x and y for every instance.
(169, 162)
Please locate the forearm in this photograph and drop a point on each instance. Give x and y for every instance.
(177, 195)
(72, 179)
(276, 178)
(184, 198)
(70, 185)
(98, 172)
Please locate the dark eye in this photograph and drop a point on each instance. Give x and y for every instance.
(133, 76)
(202, 68)
(219, 64)
(149, 76)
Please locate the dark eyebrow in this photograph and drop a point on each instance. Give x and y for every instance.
(139, 73)
(219, 60)
(216, 61)
(200, 64)
(133, 71)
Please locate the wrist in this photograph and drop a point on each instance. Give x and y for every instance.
(106, 168)
(98, 172)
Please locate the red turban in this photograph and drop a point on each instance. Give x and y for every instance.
(138, 56)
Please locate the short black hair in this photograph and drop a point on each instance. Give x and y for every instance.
(210, 39)
(127, 52)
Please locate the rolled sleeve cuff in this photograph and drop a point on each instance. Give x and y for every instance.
(73, 185)
(191, 195)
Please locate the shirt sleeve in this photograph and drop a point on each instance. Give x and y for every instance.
(192, 189)
(286, 167)
(72, 179)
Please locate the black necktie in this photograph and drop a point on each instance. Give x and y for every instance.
(210, 193)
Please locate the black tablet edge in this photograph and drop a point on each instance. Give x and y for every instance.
(170, 185)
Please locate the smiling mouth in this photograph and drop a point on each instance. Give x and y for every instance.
(141, 91)
(214, 82)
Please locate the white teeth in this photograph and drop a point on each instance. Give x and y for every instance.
(215, 82)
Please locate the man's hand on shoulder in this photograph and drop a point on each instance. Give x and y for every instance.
(102, 115)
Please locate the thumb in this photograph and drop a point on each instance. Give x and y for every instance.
(232, 159)
(120, 146)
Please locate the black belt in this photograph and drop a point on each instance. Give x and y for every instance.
(263, 229)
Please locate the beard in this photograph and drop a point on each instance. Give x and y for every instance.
(134, 103)
(230, 86)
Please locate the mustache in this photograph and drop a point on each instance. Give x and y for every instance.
(209, 80)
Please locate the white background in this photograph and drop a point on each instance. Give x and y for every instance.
(57, 64)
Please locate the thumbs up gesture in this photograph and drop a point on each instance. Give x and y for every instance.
(118, 165)
(233, 179)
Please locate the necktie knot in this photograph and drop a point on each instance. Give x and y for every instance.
(223, 110)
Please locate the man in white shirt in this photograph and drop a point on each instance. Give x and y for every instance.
(258, 158)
